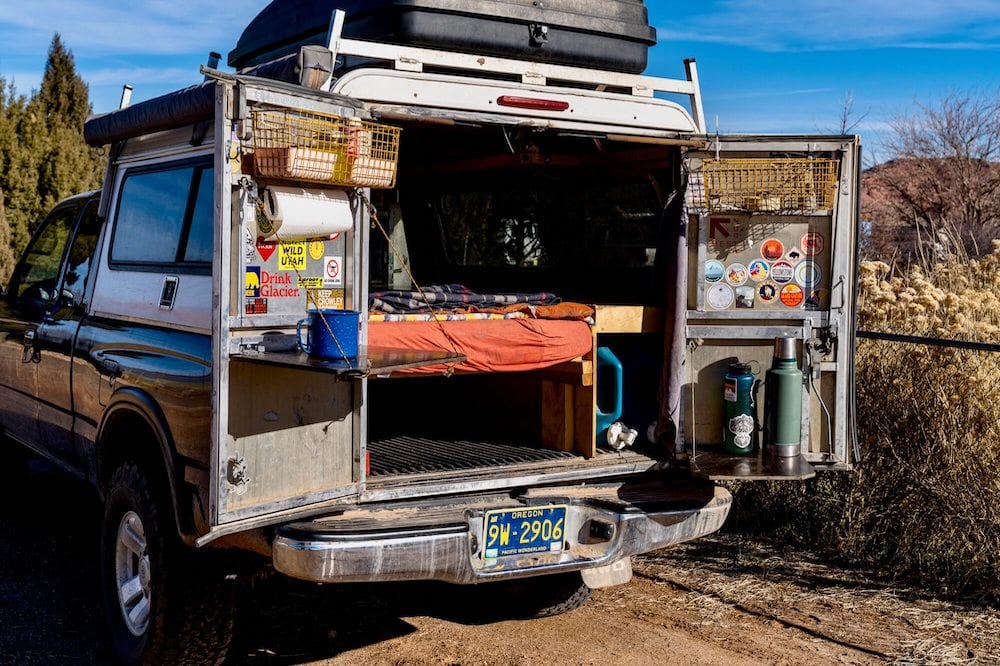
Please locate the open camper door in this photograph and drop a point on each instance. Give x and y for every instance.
(772, 252)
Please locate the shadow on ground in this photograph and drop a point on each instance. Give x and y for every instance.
(51, 612)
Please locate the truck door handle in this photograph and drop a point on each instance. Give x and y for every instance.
(113, 370)
(30, 353)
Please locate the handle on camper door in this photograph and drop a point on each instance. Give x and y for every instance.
(298, 332)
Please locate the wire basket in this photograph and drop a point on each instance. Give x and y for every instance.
(294, 145)
(786, 185)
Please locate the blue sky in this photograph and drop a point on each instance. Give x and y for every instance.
(765, 65)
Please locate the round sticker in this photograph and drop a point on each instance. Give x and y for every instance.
(317, 249)
(759, 270)
(792, 295)
(714, 270)
(772, 249)
(736, 274)
(768, 292)
(808, 274)
(813, 243)
(782, 272)
(720, 296)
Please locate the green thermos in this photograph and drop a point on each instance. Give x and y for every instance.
(739, 434)
(783, 401)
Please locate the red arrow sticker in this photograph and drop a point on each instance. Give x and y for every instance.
(719, 224)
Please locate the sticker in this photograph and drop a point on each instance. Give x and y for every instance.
(813, 243)
(249, 246)
(808, 274)
(782, 272)
(794, 255)
(768, 292)
(266, 249)
(720, 296)
(744, 297)
(277, 285)
(334, 236)
(251, 282)
(742, 428)
(317, 249)
(311, 282)
(292, 256)
(729, 390)
(256, 306)
(815, 299)
(326, 299)
(759, 270)
(736, 274)
(792, 295)
(772, 249)
(332, 275)
(714, 270)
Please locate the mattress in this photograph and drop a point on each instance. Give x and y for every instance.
(504, 345)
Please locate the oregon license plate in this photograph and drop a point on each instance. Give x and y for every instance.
(522, 531)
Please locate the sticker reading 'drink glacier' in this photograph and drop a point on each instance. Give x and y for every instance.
(736, 274)
(720, 296)
(522, 531)
(759, 270)
(792, 295)
(714, 271)
(782, 272)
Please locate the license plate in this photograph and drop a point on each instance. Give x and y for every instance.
(523, 531)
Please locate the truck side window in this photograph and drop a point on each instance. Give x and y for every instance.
(34, 281)
(81, 253)
(165, 218)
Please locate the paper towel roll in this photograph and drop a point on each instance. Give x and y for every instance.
(296, 213)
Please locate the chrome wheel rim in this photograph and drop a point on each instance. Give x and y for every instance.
(132, 574)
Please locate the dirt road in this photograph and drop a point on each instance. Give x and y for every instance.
(719, 601)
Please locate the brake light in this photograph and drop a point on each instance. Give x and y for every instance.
(533, 103)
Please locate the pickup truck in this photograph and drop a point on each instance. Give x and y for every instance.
(149, 335)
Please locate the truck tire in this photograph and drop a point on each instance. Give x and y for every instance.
(540, 596)
(161, 608)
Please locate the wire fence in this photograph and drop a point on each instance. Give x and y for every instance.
(930, 342)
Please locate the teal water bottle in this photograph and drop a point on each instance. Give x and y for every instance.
(740, 428)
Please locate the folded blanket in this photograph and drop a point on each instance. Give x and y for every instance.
(449, 297)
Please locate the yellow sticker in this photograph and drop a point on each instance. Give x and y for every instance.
(292, 256)
(326, 299)
(311, 282)
(317, 250)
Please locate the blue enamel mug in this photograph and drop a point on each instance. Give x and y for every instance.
(333, 334)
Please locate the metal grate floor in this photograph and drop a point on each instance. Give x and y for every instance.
(412, 455)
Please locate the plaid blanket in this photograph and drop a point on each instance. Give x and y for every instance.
(449, 297)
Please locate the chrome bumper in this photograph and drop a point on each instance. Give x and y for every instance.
(600, 531)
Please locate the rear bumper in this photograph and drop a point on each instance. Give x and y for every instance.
(605, 524)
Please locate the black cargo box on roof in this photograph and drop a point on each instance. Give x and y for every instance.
(603, 34)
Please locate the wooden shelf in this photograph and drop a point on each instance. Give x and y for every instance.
(627, 319)
(370, 360)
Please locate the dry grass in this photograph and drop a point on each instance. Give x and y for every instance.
(924, 500)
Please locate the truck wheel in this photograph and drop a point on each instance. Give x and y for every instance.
(540, 596)
(160, 607)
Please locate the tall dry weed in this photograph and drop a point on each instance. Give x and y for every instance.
(924, 500)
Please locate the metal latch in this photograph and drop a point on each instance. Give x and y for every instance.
(538, 34)
(236, 475)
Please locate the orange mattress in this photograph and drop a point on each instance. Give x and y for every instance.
(506, 345)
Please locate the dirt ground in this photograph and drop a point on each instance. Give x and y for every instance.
(722, 600)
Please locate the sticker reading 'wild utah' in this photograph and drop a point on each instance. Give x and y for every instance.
(292, 256)
(720, 296)
(714, 270)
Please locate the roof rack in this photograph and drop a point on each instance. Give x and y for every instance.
(414, 59)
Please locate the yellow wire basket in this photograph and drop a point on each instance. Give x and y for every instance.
(786, 185)
(295, 145)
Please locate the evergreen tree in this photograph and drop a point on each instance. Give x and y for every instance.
(64, 97)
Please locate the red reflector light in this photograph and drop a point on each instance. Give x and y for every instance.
(532, 103)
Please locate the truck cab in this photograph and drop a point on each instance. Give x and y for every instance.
(619, 261)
